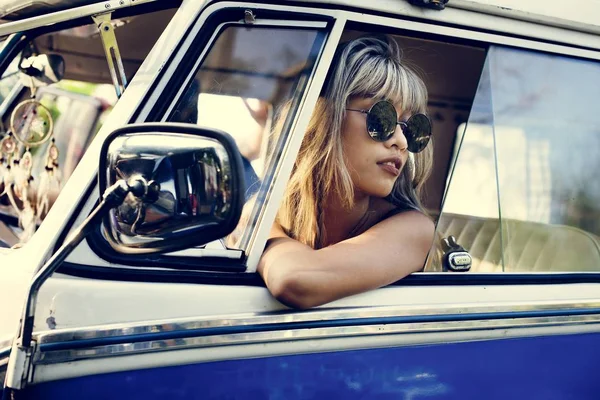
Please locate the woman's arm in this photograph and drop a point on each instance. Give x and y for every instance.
(301, 277)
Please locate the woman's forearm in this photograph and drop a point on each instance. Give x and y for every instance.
(280, 271)
(302, 277)
(299, 276)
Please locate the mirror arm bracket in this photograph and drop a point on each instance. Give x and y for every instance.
(111, 49)
(22, 349)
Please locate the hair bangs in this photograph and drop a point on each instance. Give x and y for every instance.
(389, 80)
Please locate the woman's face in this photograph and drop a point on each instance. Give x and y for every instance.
(373, 166)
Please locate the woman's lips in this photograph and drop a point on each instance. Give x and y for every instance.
(392, 165)
(389, 167)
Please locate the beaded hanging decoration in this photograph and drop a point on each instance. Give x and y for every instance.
(31, 125)
(50, 181)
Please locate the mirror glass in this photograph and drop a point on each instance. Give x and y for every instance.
(192, 188)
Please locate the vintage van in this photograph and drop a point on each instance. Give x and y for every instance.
(131, 293)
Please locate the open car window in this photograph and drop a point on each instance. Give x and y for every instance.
(523, 196)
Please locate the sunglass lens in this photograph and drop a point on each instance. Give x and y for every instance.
(417, 132)
(381, 120)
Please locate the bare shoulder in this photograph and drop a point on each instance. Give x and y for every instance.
(411, 220)
(382, 207)
(381, 217)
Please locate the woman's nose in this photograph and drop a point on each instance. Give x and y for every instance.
(398, 139)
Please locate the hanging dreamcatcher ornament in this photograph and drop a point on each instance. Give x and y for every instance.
(31, 125)
(50, 181)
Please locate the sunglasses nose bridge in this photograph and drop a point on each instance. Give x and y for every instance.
(398, 138)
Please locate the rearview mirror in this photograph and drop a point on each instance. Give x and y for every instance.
(42, 70)
(194, 181)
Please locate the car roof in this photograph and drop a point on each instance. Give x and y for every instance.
(581, 11)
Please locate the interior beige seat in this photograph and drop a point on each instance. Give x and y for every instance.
(528, 246)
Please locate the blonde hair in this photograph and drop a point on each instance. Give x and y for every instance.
(370, 67)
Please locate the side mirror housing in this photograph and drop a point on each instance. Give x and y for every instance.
(193, 186)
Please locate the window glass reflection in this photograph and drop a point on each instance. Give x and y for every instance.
(524, 195)
(548, 148)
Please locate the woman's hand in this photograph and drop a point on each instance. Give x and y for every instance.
(302, 277)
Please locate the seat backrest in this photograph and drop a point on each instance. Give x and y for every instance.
(528, 246)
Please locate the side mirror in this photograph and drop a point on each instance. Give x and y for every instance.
(42, 70)
(193, 186)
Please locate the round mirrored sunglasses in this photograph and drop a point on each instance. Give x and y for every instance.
(382, 119)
